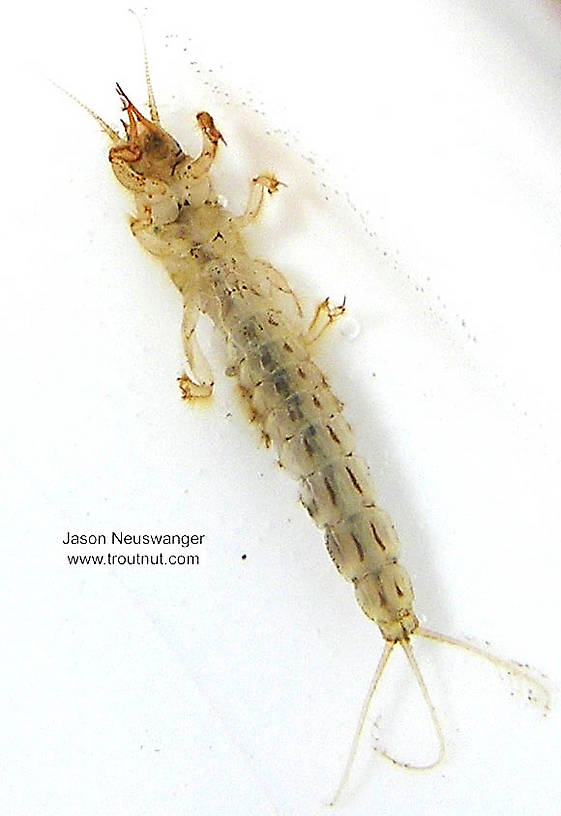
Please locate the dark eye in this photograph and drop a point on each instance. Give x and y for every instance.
(154, 144)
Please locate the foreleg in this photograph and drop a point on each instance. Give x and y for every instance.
(198, 168)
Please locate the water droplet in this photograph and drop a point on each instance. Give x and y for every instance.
(351, 328)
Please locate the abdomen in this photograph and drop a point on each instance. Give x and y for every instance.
(299, 414)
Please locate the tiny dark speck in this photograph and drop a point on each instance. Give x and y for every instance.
(244, 556)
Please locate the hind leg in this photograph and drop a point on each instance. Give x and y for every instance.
(324, 316)
(201, 386)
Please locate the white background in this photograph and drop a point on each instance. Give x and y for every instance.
(234, 687)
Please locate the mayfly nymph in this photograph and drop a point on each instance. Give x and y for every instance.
(179, 219)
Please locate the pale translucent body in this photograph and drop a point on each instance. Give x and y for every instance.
(180, 220)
